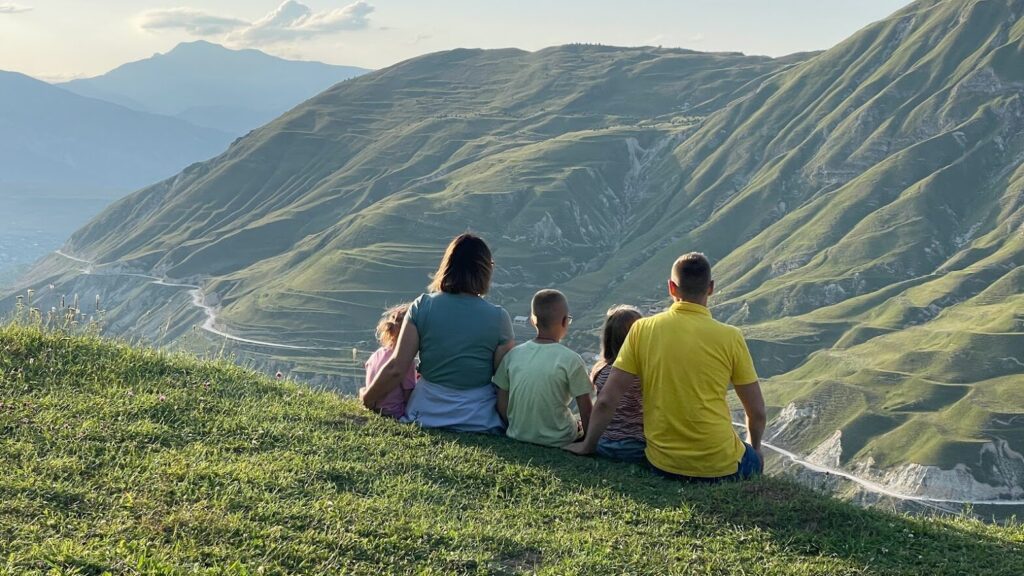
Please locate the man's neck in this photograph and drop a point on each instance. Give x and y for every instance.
(702, 302)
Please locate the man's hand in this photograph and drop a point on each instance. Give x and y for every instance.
(578, 448)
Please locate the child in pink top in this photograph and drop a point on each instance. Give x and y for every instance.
(392, 405)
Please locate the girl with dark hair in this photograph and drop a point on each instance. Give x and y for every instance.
(460, 338)
(624, 437)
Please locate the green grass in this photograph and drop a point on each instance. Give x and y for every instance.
(124, 460)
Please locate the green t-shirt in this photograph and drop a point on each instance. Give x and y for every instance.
(542, 379)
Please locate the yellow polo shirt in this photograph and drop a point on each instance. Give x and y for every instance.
(686, 360)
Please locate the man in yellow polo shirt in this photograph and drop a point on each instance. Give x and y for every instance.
(685, 361)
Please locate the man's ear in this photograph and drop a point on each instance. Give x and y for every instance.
(673, 290)
(711, 288)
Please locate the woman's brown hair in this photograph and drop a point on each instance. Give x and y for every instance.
(617, 323)
(465, 268)
(390, 325)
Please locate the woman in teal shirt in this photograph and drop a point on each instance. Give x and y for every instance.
(460, 338)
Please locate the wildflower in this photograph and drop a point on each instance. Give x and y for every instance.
(206, 385)
(130, 392)
(279, 375)
(162, 397)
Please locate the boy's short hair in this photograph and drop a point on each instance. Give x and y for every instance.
(545, 307)
(692, 275)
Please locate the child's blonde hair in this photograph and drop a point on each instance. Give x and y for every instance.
(390, 325)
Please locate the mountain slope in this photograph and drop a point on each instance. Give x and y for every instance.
(51, 137)
(864, 207)
(123, 459)
(209, 85)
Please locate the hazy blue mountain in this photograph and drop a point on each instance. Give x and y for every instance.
(50, 137)
(213, 86)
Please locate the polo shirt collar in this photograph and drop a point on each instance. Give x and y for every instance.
(690, 307)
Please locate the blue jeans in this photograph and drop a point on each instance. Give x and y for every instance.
(749, 467)
(622, 450)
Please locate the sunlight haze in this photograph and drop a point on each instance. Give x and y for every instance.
(62, 39)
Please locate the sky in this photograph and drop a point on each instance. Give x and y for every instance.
(63, 39)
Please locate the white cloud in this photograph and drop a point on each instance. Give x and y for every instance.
(291, 21)
(11, 8)
(195, 22)
(295, 21)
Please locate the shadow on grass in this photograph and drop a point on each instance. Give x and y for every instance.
(800, 520)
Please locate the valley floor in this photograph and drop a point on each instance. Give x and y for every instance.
(126, 460)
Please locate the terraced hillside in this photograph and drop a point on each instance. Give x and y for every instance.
(864, 206)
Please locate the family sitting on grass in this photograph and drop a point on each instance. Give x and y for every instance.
(661, 382)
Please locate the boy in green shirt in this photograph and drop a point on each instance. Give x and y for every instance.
(538, 379)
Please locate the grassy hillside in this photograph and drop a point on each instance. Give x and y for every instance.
(125, 460)
(864, 208)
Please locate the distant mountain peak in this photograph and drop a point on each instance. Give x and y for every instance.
(214, 86)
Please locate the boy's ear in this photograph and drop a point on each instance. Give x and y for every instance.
(565, 321)
(533, 320)
(711, 288)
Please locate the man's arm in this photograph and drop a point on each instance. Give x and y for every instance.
(585, 405)
(391, 375)
(757, 415)
(603, 411)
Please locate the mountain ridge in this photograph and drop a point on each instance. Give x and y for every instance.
(213, 86)
(51, 134)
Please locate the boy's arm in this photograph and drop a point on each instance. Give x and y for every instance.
(584, 404)
(603, 411)
(502, 383)
(503, 404)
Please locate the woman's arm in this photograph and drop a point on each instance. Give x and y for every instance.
(390, 376)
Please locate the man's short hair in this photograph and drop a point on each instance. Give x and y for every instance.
(692, 275)
(547, 307)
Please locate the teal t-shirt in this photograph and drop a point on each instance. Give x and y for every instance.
(458, 336)
(541, 380)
